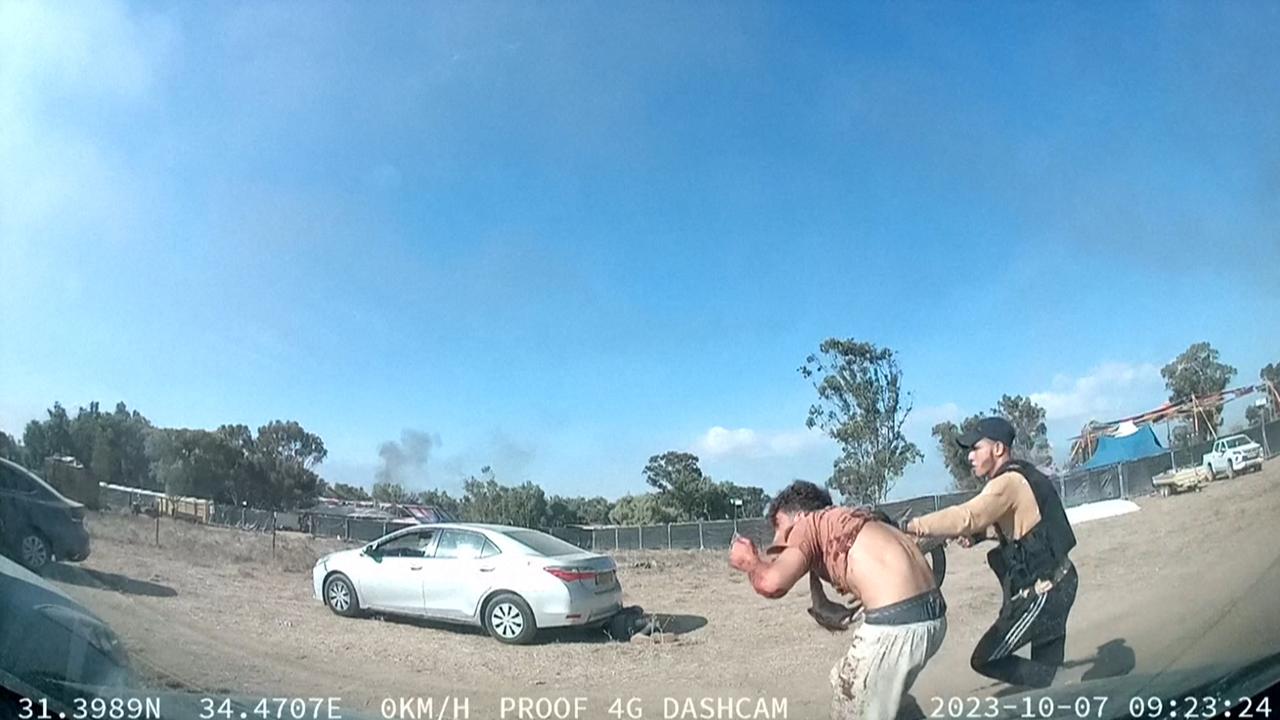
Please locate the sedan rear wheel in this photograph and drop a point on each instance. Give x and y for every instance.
(509, 619)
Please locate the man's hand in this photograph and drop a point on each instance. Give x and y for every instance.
(743, 555)
(965, 541)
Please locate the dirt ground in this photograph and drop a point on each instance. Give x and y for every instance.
(1189, 581)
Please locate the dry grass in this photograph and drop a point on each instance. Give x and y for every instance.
(210, 546)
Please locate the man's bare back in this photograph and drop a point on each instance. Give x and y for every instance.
(886, 566)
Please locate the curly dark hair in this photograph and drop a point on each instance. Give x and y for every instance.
(799, 496)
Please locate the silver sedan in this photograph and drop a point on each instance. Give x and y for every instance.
(511, 581)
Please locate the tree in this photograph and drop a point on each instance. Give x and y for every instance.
(287, 454)
(1254, 415)
(10, 449)
(592, 511)
(485, 500)
(343, 491)
(50, 437)
(646, 509)
(754, 500)
(954, 457)
(861, 406)
(441, 500)
(1198, 373)
(682, 486)
(389, 492)
(1031, 442)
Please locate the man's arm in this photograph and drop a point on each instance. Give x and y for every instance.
(771, 579)
(974, 517)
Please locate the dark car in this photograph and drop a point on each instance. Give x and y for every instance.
(52, 647)
(37, 523)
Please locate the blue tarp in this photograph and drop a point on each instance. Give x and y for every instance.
(1112, 450)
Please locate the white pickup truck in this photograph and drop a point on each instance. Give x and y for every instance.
(1232, 455)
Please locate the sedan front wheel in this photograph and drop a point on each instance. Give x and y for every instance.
(340, 596)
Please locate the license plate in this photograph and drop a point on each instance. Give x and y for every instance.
(605, 579)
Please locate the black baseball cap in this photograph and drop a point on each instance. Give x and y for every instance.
(991, 428)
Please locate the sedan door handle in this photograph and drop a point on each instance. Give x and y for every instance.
(487, 569)
(415, 567)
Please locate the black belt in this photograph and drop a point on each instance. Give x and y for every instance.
(1056, 577)
(922, 608)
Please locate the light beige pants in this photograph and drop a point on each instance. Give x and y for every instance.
(880, 666)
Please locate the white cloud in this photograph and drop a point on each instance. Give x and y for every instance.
(721, 442)
(1111, 390)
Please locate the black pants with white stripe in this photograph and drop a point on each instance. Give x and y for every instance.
(1039, 621)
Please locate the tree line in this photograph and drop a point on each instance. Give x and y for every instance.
(860, 404)
(275, 468)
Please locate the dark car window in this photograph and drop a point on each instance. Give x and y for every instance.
(542, 543)
(460, 545)
(490, 550)
(14, 481)
(414, 544)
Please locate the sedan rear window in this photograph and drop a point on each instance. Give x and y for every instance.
(542, 543)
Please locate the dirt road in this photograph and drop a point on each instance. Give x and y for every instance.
(1186, 582)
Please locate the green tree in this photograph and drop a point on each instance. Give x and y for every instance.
(861, 406)
(754, 500)
(389, 492)
(1254, 415)
(442, 500)
(954, 457)
(343, 491)
(683, 487)
(10, 449)
(1031, 442)
(591, 511)
(646, 509)
(287, 454)
(1197, 372)
(49, 437)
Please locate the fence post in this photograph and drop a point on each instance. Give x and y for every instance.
(346, 528)
(937, 503)
(701, 544)
(273, 534)
(668, 536)
(384, 527)
(616, 544)
(242, 511)
(640, 533)
(157, 529)
(1123, 493)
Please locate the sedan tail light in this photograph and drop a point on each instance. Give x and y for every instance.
(572, 574)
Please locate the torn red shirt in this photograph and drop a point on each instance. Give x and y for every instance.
(825, 537)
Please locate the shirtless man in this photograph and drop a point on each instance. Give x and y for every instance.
(904, 615)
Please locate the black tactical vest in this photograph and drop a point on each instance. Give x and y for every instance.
(1020, 563)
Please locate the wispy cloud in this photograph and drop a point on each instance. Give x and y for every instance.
(1110, 390)
(721, 443)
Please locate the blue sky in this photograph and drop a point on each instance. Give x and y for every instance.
(563, 237)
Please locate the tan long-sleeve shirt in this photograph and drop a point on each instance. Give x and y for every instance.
(1006, 501)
